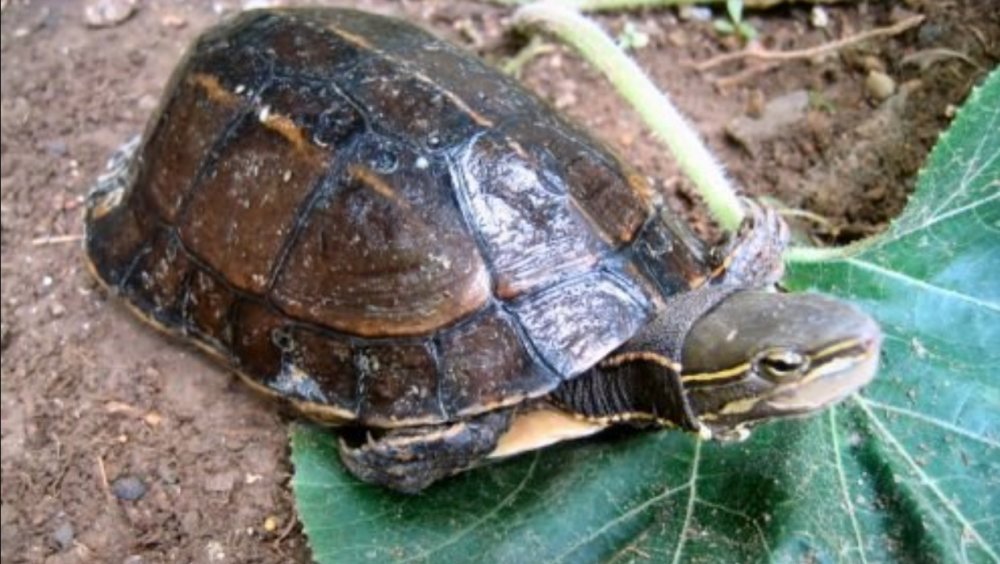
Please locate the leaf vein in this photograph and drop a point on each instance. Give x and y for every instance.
(842, 478)
(485, 517)
(692, 496)
(666, 494)
(950, 427)
(967, 527)
(906, 279)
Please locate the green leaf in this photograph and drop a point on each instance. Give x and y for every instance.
(747, 31)
(632, 38)
(735, 10)
(933, 281)
(724, 27)
(909, 470)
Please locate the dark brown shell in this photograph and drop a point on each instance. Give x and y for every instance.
(374, 224)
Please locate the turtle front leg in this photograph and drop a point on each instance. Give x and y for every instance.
(410, 459)
(752, 257)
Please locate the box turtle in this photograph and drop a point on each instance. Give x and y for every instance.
(399, 241)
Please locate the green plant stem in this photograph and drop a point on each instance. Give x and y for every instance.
(803, 254)
(655, 107)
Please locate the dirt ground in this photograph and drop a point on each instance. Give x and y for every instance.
(121, 446)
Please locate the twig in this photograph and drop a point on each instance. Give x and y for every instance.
(104, 477)
(56, 240)
(745, 74)
(808, 215)
(292, 522)
(754, 51)
(928, 57)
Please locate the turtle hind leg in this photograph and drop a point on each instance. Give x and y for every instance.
(408, 460)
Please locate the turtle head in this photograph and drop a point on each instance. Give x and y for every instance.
(764, 355)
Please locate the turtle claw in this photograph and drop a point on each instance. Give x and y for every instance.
(752, 257)
(109, 191)
(410, 459)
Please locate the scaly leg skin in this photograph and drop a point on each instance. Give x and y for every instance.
(752, 258)
(408, 460)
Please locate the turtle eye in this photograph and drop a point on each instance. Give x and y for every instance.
(782, 363)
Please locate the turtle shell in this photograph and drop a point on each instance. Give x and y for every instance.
(372, 223)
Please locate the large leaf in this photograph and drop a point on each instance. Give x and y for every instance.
(909, 470)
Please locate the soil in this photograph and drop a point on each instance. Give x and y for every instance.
(119, 445)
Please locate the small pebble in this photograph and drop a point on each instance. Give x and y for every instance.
(872, 63)
(57, 310)
(565, 100)
(107, 13)
(173, 21)
(64, 535)
(147, 102)
(818, 17)
(880, 85)
(271, 523)
(756, 103)
(694, 13)
(128, 488)
(215, 552)
(677, 38)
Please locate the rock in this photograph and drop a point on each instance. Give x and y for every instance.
(128, 488)
(107, 13)
(880, 85)
(776, 115)
(64, 535)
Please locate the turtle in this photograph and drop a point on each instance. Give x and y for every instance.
(385, 233)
